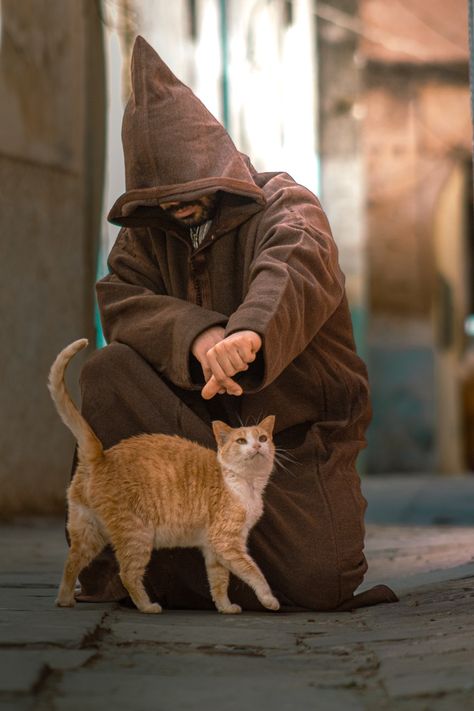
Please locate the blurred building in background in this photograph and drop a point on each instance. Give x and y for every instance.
(363, 101)
(416, 133)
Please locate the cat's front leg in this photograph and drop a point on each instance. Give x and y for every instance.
(218, 577)
(238, 561)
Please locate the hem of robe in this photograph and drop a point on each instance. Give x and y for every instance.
(376, 595)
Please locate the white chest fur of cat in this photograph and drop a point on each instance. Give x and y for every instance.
(157, 491)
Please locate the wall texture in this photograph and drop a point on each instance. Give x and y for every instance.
(51, 158)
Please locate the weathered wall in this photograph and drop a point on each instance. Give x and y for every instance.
(51, 138)
(416, 132)
(341, 158)
(410, 156)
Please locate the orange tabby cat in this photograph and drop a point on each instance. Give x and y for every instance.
(163, 491)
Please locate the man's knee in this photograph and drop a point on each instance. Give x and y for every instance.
(106, 364)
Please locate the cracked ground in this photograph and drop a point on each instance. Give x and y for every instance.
(417, 654)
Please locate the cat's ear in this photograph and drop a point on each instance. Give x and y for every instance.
(268, 424)
(221, 431)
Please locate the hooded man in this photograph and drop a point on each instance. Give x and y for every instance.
(225, 301)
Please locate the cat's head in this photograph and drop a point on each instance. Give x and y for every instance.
(246, 449)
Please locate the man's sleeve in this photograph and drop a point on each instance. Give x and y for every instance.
(136, 310)
(295, 284)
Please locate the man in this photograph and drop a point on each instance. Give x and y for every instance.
(225, 301)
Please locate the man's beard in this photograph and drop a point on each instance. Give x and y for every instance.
(200, 211)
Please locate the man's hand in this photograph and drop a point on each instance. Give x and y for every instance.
(203, 343)
(228, 357)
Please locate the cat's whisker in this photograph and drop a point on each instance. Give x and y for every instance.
(290, 462)
(282, 466)
(286, 455)
(255, 420)
(282, 449)
(282, 455)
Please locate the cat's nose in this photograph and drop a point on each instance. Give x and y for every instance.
(256, 445)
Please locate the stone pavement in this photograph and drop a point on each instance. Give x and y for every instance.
(415, 655)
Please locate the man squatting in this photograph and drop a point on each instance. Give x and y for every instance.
(225, 301)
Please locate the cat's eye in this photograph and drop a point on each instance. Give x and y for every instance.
(241, 440)
(262, 438)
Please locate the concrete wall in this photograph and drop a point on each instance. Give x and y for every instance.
(51, 156)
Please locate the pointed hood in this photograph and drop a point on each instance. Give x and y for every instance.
(173, 147)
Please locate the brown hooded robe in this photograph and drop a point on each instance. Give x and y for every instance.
(268, 264)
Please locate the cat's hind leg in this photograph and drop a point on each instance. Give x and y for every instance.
(133, 544)
(237, 560)
(86, 541)
(218, 577)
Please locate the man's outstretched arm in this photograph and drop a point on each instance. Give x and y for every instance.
(295, 283)
(295, 286)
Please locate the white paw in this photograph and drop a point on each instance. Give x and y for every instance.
(270, 602)
(153, 608)
(65, 602)
(230, 609)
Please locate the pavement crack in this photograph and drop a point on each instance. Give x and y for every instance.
(45, 688)
(232, 649)
(94, 637)
(45, 672)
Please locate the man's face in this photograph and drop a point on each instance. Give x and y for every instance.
(192, 213)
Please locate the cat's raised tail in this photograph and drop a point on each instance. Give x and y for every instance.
(90, 447)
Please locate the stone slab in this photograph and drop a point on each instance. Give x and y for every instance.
(21, 669)
(160, 630)
(221, 692)
(428, 674)
(16, 704)
(376, 659)
(66, 627)
(16, 599)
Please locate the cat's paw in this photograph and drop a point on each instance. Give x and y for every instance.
(153, 608)
(230, 609)
(270, 602)
(65, 602)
